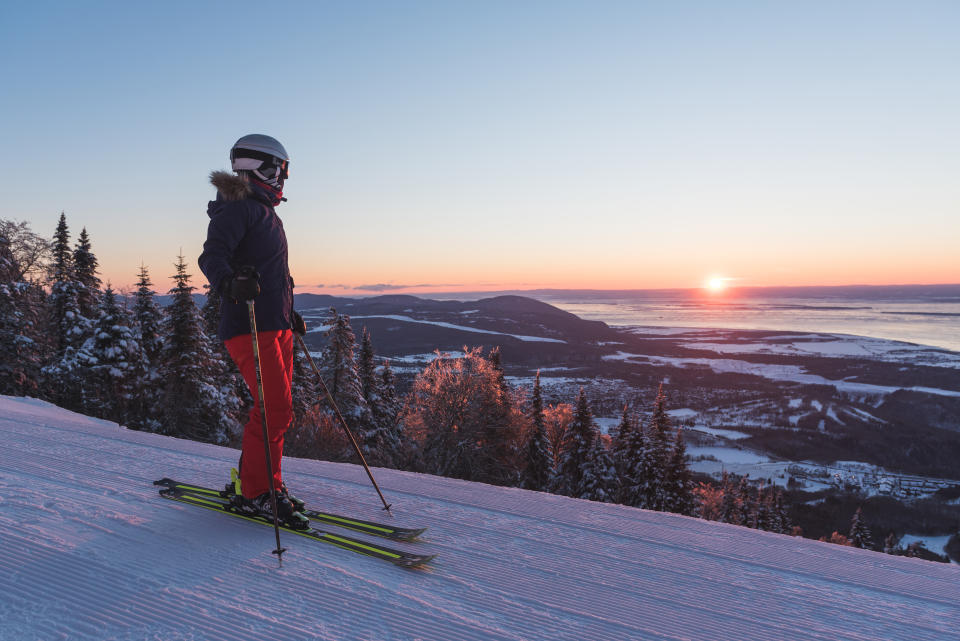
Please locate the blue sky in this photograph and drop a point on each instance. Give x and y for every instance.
(489, 145)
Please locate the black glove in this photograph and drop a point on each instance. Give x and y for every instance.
(244, 285)
(297, 324)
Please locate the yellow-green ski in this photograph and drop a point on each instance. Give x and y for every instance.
(218, 504)
(384, 530)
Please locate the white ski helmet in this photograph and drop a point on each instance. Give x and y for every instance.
(263, 156)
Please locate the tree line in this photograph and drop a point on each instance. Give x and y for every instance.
(68, 338)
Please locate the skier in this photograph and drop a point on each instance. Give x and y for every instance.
(245, 258)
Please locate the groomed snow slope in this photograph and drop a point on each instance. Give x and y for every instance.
(90, 551)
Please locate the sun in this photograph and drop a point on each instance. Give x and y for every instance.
(716, 284)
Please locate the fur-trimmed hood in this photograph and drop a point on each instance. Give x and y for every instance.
(230, 186)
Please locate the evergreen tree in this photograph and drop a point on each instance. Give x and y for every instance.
(599, 474)
(761, 516)
(64, 375)
(367, 369)
(578, 450)
(780, 522)
(860, 536)
(658, 450)
(678, 484)
(197, 402)
(631, 457)
(387, 414)
(147, 322)
(745, 502)
(20, 355)
(62, 266)
(378, 431)
(500, 433)
(148, 317)
(537, 470)
(210, 312)
(112, 354)
(85, 276)
(729, 506)
(339, 366)
(64, 305)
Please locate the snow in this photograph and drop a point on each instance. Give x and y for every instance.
(791, 373)
(733, 435)
(936, 544)
(606, 423)
(476, 330)
(840, 346)
(728, 455)
(92, 552)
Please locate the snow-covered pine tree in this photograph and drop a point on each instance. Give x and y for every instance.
(210, 313)
(501, 433)
(63, 376)
(578, 448)
(658, 450)
(631, 457)
(20, 355)
(538, 463)
(779, 521)
(147, 323)
(367, 368)
(388, 415)
(761, 515)
(85, 275)
(64, 305)
(746, 502)
(148, 317)
(230, 375)
(197, 403)
(860, 536)
(378, 432)
(678, 484)
(113, 353)
(600, 481)
(339, 367)
(729, 506)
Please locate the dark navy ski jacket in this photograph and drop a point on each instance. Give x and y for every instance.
(245, 230)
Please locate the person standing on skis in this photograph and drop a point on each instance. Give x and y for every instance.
(245, 258)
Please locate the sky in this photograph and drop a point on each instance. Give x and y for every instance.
(500, 145)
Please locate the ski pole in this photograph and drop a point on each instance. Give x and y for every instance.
(266, 435)
(343, 422)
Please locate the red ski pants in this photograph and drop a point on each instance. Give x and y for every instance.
(276, 372)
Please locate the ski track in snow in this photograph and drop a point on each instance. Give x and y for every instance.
(93, 552)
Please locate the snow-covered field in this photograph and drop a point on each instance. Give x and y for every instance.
(91, 552)
(775, 372)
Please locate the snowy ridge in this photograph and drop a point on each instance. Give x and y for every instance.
(91, 552)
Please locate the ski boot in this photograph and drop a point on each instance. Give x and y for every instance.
(298, 505)
(233, 488)
(262, 506)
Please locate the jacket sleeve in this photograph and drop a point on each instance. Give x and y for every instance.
(224, 233)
